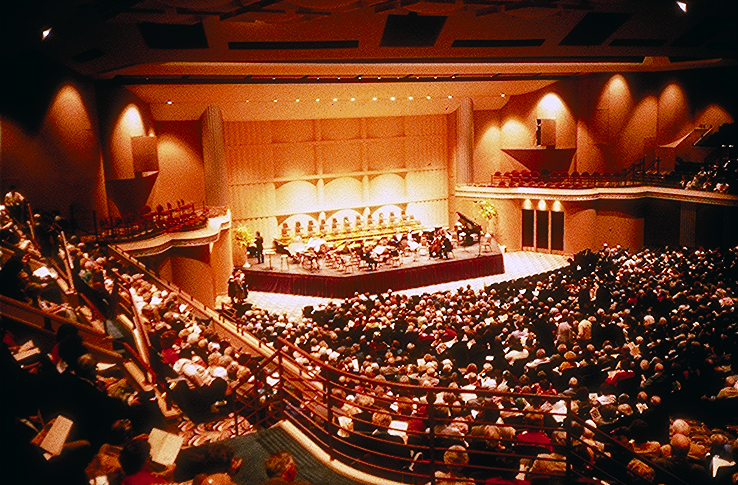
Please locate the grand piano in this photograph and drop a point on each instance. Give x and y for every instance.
(467, 230)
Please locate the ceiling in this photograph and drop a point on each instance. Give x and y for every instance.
(180, 55)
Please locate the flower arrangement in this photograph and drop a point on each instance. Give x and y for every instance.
(243, 235)
(486, 209)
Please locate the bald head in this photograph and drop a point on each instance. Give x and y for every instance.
(680, 445)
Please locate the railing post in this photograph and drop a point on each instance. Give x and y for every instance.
(431, 443)
(569, 464)
(280, 384)
(327, 390)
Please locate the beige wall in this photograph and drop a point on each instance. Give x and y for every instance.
(611, 120)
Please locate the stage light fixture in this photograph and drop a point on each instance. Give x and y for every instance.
(682, 6)
(45, 33)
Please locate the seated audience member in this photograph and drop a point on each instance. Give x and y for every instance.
(455, 460)
(679, 467)
(135, 460)
(280, 469)
(217, 458)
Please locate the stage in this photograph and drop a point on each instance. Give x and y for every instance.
(412, 272)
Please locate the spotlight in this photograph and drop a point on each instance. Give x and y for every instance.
(502, 95)
(374, 99)
(410, 98)
(45, 33)
(392, 98)
(169, 102)
(353, 99)
(682, 6)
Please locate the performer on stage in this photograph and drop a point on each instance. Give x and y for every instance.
(259, 242)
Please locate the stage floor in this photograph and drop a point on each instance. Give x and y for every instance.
(466, 262)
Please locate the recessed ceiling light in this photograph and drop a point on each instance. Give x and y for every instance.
(449, 96)
(392, 98)
(410, 98)
(45, 33)
(374, 99)
(435, 77)
(169, 102)
(427, 97)
(297, 101)
(335, 99)
(317, 100)
(275, 100)
(502, 95)
(353, 99)
(683, 6)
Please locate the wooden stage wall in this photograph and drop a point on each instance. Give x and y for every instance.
(379, 281)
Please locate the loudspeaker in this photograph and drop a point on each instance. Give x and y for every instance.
(546, 132)
(145, 157)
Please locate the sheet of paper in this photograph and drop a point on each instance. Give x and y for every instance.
(57, 435)
(164, 446)
(23, 355)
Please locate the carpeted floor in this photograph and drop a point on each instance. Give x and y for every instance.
(255, 448)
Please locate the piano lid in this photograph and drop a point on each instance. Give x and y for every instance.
(469, 224)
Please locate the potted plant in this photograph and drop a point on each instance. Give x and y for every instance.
(244, 237)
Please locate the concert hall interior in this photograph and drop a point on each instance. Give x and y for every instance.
(369, 144)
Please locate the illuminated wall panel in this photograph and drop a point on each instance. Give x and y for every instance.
(343, 192)
(296, 197)
(427, 185)
(386, 189)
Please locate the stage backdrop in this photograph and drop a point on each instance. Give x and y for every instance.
(279, 169)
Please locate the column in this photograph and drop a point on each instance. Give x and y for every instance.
(465, 142)
(213, 155)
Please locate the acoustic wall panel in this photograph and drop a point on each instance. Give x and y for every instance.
(293, 160)
(425, 125)
(343, 192)
(296, 197)
(249, 163)
(292, 131)
(253, 200)
(385, 154)
(388, 127)
(247, 133)
(386, 189)
(340, 129)
(340, 157)
(424, 152)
